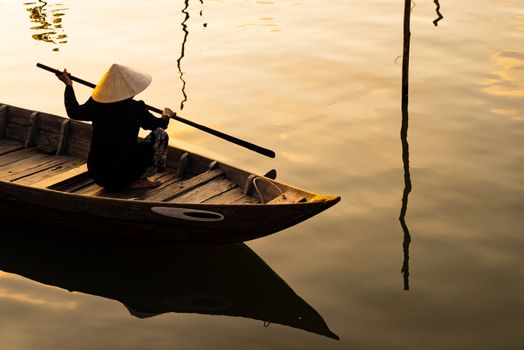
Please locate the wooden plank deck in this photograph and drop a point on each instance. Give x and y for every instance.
(17, 172)
(234, 195)
(8, 145)
(63, 177)
(16, 156)
(46, 151)
(29, 166)
(78, 179)
(86, 188)
(182, 187)
(204, 192)
(289, 196)
(166, 178)
(34, 160)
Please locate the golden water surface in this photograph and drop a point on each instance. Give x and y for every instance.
(320, 83)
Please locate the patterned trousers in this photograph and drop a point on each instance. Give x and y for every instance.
(158, 139)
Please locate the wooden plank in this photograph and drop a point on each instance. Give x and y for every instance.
(88, 190)
(25, 163)
(17, 155)
(49, 172)
(46, 142)
(59, 178)
(181, 187)
(74, 184)
(45, 132)
(31, 134)
(16, 131)
(64, 137)
(173, 156)
(30, 166)
(227, 197)
(246, 200)
(167, 178)
(79, 139)
(18, 123)
(3, 120)
(202, 193)
(182, 165)
(8, 145)
(94, 190)
(196, 164)
(288, 197)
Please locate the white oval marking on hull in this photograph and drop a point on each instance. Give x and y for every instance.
(189, 214)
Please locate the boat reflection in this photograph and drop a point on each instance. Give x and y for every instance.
(48, 20)
(152, 278)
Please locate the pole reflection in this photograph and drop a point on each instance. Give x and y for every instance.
(185, 32)
(439, 15)
(183, 53)
(404, 140)
(48, 20)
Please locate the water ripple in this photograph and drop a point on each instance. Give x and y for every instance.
(48, 19)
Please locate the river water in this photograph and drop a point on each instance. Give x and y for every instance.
(320, 83)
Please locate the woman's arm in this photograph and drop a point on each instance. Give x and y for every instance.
(73, 108)
(150, 122)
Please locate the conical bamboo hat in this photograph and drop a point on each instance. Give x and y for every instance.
(120, 83)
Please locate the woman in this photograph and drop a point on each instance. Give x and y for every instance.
(116, 159)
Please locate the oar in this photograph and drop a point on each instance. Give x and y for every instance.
(235, 140)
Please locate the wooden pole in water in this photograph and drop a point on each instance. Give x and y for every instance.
(264, 151)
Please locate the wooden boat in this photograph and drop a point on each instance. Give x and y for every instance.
(156, 277)
(44, 177)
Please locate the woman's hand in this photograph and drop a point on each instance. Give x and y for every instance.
(166, 116)
(64, 77)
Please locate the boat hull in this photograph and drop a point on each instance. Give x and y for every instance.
(44, 179)
(196, 223)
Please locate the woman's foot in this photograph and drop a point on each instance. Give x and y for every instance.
(144, 183)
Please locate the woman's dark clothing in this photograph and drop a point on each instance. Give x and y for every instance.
(115, 158)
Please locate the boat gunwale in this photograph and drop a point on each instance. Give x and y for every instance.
(170, 204)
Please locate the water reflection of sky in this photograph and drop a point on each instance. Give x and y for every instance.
(508, 79)
(17, 290)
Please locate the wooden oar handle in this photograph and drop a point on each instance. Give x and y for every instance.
(56, 71)
(267, 152)
(235, 140)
